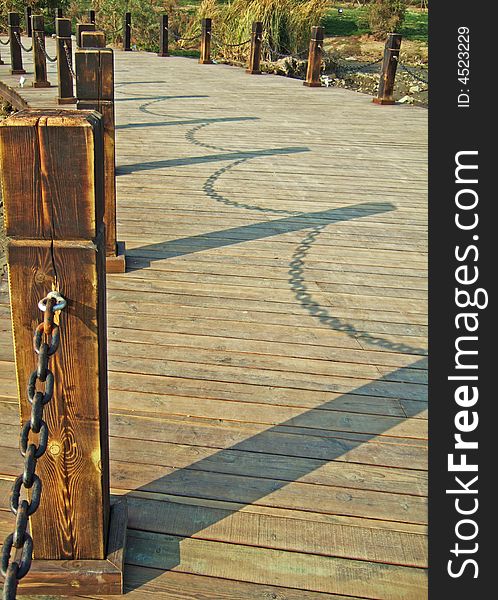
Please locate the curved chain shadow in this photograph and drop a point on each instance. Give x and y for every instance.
(297, 265)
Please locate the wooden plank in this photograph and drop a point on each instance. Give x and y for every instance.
(257, 565)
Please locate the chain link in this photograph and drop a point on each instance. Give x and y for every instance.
(5, 43)
(412, 73)
(19, 41)
(224, 45)
(69, 60)
(19, 542)
(41, 43)
(358, 69)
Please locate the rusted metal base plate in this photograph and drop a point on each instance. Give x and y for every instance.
(82, 577)
(116, 264)
(382, 101)
(41, 84)
(312, 84)
(66, 100)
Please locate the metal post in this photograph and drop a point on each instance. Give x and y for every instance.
(315, 58)
(205, 58)
(255, 55)
(91, 16)
(16, 67)
(59, 13)
(65, 61)
(389, 66)
(163, 36)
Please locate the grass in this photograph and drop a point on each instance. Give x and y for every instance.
(353, 21)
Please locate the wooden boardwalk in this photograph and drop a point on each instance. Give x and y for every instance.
(267, 346)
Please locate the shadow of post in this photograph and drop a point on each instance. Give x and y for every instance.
(254, 469)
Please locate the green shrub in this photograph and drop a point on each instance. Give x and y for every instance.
(386, 16)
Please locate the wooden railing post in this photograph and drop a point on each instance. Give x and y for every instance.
(127, 32)
(389, 66)
(205, 58)
(64, 55)
(255, 55)
(53, 203)
(16, 67)
(95, 91)
(27, 21)
(80, 28)
(163, 36)
(93, 39)
(315, 58)
(59, 13)
(39, 57)
(91, 16)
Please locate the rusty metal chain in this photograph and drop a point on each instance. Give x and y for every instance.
(225, 45)
(69, 60)
(5, 43)
(46, 341)
(19, 41)
(41, 44)
(411, 72)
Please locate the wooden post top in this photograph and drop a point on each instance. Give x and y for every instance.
(37, 207)
(13, 19)
(89, 62)
(38, 22)
(317, 33)
(92, 39)
(394, 41)
(63, 28)
(257, 27)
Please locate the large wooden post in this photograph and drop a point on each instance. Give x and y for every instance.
(205, 58)
(80, 28)
(255, 55)
(16, 67)
(39, 57)
(27, 21)
(163, 36)
(315, 58)
(127, 32)
(389, 66)
(64, 61)
(95, 91)
(53, 204)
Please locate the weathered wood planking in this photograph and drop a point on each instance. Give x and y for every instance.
(267, 346)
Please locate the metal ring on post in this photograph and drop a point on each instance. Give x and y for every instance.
(61, 302)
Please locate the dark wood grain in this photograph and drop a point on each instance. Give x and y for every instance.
(205, 58)
(315, 58)
(163, 36)
(64, 49)
(39, 57)
(95, 91)
(16, 67)
(389, 67)
(56, 219)
(255, 54)
(80, 28)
